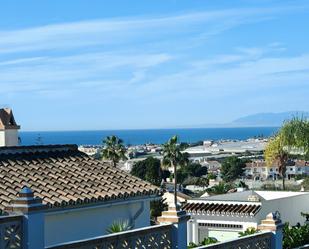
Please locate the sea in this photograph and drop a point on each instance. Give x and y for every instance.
(136, 137)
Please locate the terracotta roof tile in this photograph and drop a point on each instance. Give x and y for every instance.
(64, 176)
(219, 208)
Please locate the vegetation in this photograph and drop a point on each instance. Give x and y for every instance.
(197, 181)
(305, 184)
(211, 176)
(248, 231)
(156, 209)
(148, 170)
(119, 226)
(172, 156)
(220, 188)
(232, 168)
(276, 187)
(190, 170)
(275, 152)
(292, 138)
(295, 236)
(205, 242)
(113, 150)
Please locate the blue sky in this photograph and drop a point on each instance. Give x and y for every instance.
(81, 65)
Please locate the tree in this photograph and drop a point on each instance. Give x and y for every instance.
(198, 181)
(232, 168)
(296, 236)
(148, 170)
(293, 137)
(220, 188)
(113, 150)
(190, 170)
(276, 153)
(156, 209)
(195, 169)
(172, 156)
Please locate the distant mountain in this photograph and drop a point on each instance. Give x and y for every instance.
(267, 119)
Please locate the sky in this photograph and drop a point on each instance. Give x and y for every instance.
(132, 64)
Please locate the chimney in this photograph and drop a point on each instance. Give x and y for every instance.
(8, 128)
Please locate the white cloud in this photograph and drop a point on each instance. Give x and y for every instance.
(121, 31)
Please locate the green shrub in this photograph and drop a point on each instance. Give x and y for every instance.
(248, 231)
(119, 226)
(205, 242)
(295, 236)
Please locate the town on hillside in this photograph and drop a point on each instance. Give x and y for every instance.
(190, 195)
(154, 124)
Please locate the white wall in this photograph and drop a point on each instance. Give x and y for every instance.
(9, 137)
(82, 223)
(289, 208)
(196, 234)
(2, 138)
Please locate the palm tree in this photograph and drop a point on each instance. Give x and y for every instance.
(293, 137)
(113, 150)
(172, 156)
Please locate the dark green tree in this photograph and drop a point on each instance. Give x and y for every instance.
(232, 168)
(220, 188)
(156, 209)
(190, 170)
(148, 170)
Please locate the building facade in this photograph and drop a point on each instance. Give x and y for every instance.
(224, 216)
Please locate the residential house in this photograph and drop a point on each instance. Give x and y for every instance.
(224, 216)
(84, 196)
(213, 166)
(259, 170)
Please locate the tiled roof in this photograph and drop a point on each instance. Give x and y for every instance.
(301, 163)
(64, 176)
(222, 208)
(257, 163)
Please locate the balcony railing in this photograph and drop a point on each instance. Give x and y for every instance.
(255, 241)
(150, 237)
(11, 232)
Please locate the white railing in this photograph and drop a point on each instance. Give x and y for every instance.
(255, 241)
(150, 237)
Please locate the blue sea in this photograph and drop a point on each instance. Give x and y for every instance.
(134, 137)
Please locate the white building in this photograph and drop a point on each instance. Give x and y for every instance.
(224, 216)
(8, 128)
(259, 170)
